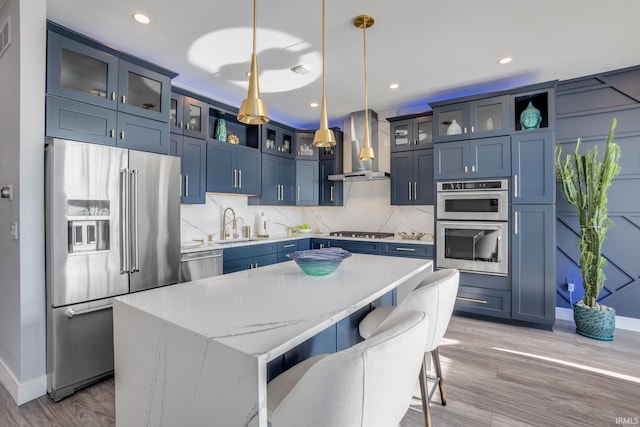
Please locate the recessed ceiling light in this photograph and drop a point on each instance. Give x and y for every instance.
(300, 69)
(313, 104)
(394, 86)
(505, 60)
(141, 18)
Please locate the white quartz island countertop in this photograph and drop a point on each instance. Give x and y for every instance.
(196, 353)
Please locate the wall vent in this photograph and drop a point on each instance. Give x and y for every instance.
(5, 36)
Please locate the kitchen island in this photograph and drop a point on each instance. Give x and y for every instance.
(196, 353)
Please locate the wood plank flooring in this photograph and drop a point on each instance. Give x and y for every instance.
(496, 375)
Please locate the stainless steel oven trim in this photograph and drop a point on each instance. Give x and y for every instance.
(498, 269)
(501, 215)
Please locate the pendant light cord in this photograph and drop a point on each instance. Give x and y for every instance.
(366, 90)
(323, 72)
(255, 5)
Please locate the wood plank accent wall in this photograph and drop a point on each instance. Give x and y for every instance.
(584, 108)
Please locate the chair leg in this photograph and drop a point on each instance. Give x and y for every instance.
(436, 364)
(424, 392)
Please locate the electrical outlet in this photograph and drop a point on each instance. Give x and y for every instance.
(570, 286)
(14, 230)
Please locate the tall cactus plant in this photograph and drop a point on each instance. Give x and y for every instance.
(585, 181)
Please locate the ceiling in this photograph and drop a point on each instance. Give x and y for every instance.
(433, 50)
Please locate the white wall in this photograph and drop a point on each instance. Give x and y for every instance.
(22, 288)
(366, 205)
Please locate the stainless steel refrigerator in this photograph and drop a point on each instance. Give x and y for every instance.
(112, 227)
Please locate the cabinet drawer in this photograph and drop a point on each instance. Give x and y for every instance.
(249, 251)
(412, 251)
(374, 248)
(489, 302)
(287, 246)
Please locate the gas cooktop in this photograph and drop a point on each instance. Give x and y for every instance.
(362, 234)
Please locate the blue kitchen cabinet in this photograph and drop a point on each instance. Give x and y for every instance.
(358, 246)
(93, 75)
(478, 158)
(412, 177)
(533, 168)
(193, 155)
(408, 250)
(533, 264)
(278, 181)
(140, 133)
(477, 117)
(307, 183)
(232, 168)
(188, 116)
(330, 192)
(277, 140)
(246, 257)
(316, 243)
(88, 83)
(289, 246)
(347, 333)
(411, 132)
(74, 120)
(303, 148)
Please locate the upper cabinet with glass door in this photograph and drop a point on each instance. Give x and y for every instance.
(411, 132)
(478, 118)
(188, 116)
(85, 73)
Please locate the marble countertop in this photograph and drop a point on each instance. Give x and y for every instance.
(197, 246)
(267, 311)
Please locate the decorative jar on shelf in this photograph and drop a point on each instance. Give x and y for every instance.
(221, 130)
(454, 128)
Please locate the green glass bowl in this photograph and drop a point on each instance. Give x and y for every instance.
(319, 262)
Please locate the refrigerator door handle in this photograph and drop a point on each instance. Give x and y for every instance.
(135, 252)
(124, 219)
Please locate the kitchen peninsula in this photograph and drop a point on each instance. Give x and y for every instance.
(196, 353)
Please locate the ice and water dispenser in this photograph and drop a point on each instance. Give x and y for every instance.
(88, 226)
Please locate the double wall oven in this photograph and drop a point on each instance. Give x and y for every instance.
(472, 228)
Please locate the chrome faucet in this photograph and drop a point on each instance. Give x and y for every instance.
(225, 223)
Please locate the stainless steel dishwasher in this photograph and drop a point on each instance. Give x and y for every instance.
(200, 265)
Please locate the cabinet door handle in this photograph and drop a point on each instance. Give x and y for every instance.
(473, 168)
(466, 169)
(515, 185)
(515, 222)
(186, 185)
(122, 134)
(298, 193)
(180, 185)
(465, 129)
(331, 193)
(239, 178)
(123, 99)
(235, 178)
(180, 124)
(409, 191)
(113, 96)
(472, 129)
(415, 191)
(186, 126)
(112, 133)
(477, 301)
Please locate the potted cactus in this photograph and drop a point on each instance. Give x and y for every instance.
(585, 179)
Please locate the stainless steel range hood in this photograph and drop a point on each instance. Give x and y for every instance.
(362, 170)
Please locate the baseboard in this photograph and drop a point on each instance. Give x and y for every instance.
(22, 392)
(626, 323)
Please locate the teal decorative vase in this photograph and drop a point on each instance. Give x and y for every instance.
(594, 323)
(530, 118)
(221, 130)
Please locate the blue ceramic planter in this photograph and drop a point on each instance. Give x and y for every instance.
(594, 323)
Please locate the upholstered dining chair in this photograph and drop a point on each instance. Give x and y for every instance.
(436, 296)
(368, 385)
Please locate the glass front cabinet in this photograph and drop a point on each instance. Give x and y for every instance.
(473, 119)
(411, 133)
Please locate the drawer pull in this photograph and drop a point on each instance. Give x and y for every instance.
(289, 246)
(406, 249)
(477, 301)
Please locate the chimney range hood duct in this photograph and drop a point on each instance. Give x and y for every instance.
(362, 170)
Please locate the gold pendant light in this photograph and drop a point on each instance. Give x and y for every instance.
(324, 136)
(253, 110)
(366, 153)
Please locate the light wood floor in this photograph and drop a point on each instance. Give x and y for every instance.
(496, 375)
